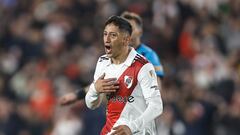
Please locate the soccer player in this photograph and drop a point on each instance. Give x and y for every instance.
(136, 22)
(129, 83)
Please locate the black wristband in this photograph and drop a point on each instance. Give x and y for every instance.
(80, 94)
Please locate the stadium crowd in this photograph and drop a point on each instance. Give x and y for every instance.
(49, 48)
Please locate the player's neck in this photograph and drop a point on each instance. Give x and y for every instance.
(121, 58)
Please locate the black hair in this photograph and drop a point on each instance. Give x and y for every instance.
(133, 16)
(120, 22)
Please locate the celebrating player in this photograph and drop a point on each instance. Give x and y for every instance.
(129, 83)
(137, 30)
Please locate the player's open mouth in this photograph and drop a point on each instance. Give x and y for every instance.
(108, 48)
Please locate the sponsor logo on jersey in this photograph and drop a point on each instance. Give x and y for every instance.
(128, 80)
(121, 99)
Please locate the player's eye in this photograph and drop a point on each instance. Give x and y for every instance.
(110, 35)
(104, 34)
(113, 35)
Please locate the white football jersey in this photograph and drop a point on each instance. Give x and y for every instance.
(137, 102)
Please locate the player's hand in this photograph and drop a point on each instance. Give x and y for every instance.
(68, 99)
(121, 130)
(106, 85)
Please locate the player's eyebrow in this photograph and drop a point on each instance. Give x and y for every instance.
(110, 32)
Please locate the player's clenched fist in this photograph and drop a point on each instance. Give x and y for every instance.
(106, 85)
(121, 130)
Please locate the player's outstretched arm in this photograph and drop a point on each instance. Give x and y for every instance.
(68, 99)
(72, 97)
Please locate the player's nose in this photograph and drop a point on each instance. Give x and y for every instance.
(108, 39)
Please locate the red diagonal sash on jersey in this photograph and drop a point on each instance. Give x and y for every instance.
(117, 101)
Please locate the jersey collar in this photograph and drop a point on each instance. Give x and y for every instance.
(129, 59)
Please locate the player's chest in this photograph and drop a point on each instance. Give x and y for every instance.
(113, 71)
(125, 75)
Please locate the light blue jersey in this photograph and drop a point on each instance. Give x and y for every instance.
(152, 57)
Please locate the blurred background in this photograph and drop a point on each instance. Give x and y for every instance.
(50, 47)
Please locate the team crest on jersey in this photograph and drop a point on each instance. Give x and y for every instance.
(128, 80)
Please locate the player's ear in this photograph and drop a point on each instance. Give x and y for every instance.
(127, 38)
(140, 32)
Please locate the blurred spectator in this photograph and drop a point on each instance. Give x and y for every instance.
(49, 47)
(67, 123)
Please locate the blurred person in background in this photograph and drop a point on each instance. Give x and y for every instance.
(136, 22)
(67, 122)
